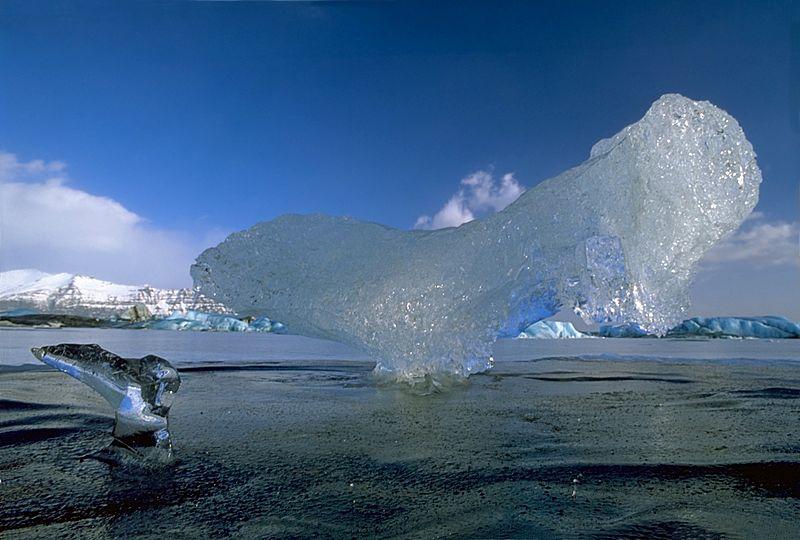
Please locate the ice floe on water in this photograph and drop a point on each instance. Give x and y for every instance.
(552, 330)
(626, 330)
(198, 320)
(616, 239)
(769, 327)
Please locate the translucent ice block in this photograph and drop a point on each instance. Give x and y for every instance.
(615, 238)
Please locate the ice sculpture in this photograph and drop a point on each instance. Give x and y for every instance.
(141, 390)
(615, 238)
(770, 327)
(551, 330)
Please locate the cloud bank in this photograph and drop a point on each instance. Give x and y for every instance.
(49, 225)
(477, 194)
(760, 243)
(754, 271)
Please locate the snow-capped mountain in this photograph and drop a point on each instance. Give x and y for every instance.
(84, 295)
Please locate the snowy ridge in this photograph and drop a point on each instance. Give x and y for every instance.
(85, 295)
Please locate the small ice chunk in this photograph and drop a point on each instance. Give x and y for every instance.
(141, 390)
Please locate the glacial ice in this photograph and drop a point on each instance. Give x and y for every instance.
(200, 321)
(197, 320)
(265, 324)
(769, 327)
(551, 330)
(615, 238)
(141, 390)
(19, 312)
(627, 330)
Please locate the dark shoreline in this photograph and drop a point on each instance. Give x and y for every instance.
(314, 448)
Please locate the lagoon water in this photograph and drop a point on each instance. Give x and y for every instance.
(283, 436)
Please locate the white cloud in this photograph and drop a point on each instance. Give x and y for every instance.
(760, 243)
(48, 225)
(478, 194)
(754, 271)
(11, 168)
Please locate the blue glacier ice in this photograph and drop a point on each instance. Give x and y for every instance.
(551, 330)
(265, 324)
(19, 312)
(627, 330)
(198, 320)
(616, 239)
(201, 321)
(768, 327)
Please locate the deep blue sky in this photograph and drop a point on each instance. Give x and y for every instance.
(203, 118)
(225, 114)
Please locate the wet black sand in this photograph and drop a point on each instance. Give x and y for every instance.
(546, 448)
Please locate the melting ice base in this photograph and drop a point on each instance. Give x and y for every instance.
(615, 238)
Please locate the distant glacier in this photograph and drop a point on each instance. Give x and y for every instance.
(72, 294)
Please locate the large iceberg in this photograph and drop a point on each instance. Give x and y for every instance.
(551, 330)
(770, 327)
(616, 239)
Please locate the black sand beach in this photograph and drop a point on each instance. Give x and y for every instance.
(536, 447)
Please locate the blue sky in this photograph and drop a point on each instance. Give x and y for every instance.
(199, 119)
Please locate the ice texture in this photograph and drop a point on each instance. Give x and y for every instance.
(615, 238)
(265, 324)
(551, 330)
(628, 330)
(141, 390)
(769, 327)
(200, 321)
